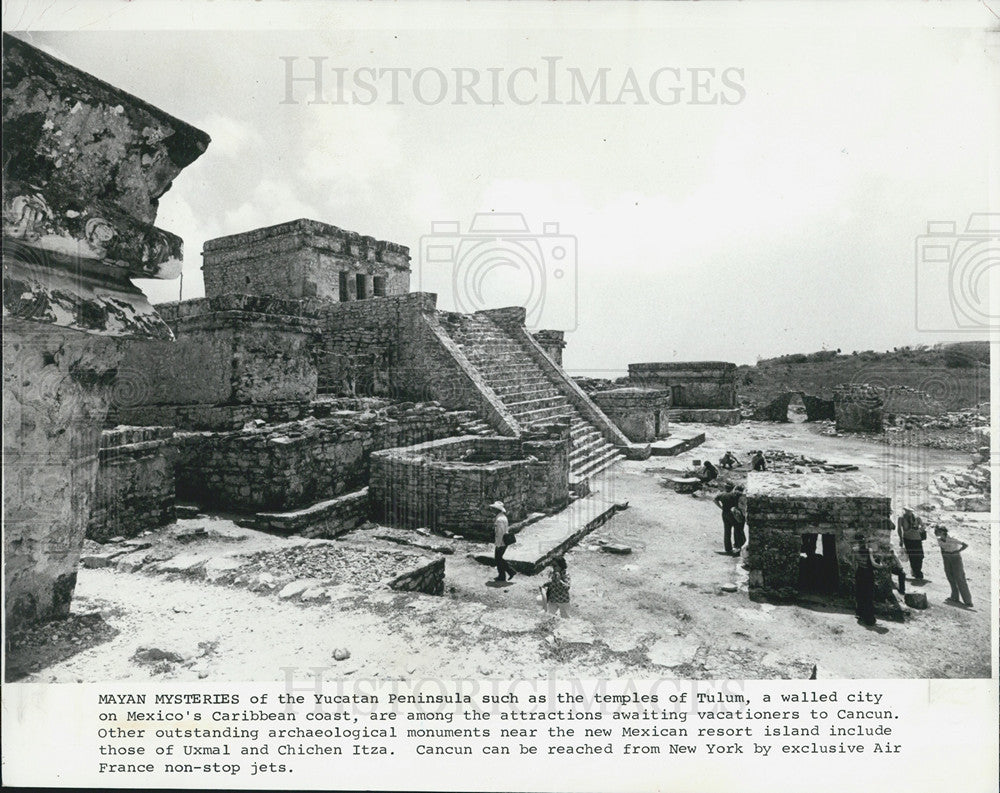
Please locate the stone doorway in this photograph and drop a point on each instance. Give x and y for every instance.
(818, 567)
(796, 409)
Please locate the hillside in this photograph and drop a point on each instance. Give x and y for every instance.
(956, 375)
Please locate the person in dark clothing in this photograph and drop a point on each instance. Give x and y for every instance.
(864, 583)
(708, 472)
(757, 462)
(732, 518)
(911, 536)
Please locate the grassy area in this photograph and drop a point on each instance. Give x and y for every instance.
(957, 375)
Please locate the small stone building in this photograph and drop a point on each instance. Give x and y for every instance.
(305, 258)
(641, 413)
(703, 391)
(802, 531)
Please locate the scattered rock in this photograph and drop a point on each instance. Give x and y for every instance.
(183, 563)
(183, 511)
(297, 588)
(95, 560)
(621, 550)
(154, 655)
(916, 600)
(341, 654)
(728, 588)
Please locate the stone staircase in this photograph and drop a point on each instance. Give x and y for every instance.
(526, 390)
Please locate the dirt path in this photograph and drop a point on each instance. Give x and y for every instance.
(659, 611)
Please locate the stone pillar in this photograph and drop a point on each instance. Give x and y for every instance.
(84, 167)
(552, 342)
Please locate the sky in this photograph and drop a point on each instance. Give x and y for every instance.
(751, 184)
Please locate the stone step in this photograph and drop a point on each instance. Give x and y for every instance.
(542, 414)
(585, 449)
(598, 464)
(530, 402)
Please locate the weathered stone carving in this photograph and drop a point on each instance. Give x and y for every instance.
(84, 166)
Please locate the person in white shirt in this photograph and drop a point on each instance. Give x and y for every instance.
(500, 529)
(951, 555)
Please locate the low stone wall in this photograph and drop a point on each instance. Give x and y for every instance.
(858, 408)
(781, 508)
(695, 384)
(217, 418)
(427, 577)
(135, 482)
(448, 485)
(285, 466)
(325, 519)
(640, 413)
(705, 416)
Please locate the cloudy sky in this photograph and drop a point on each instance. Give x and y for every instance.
(751, 181)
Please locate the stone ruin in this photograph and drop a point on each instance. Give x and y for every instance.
(701, 391)
(817, 407)
(641, 413)
(84, 167)
(859, 408)
(802, 530)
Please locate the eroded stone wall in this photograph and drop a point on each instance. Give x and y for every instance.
(284, 466)
(641, 413)
(135, 489)
(858, 408)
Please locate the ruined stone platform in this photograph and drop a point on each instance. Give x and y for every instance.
(720, 416)
(543, 540)
(677, 443)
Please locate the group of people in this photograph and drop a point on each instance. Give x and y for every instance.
(555, 592)
(912, 534)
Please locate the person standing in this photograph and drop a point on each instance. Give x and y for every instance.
(954, 569)
(911, 536)
(732, 524)
(500, 528)
(864, 583)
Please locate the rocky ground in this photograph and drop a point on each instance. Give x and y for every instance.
(206, 599)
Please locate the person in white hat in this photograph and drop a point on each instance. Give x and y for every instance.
(500, 529)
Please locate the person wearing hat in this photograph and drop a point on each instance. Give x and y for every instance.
(954, 569)
(500, 528)
(911, 536)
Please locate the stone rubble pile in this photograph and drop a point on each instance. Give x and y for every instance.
(962, 489)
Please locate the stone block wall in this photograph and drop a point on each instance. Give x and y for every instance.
(858, 408)
(641, 413)
(695, 384)
(782, 507)
(426, 577)
(229, 350)
(448, 485)
(135, 489)
(281, 467)
(818, 408)
(302, 259)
